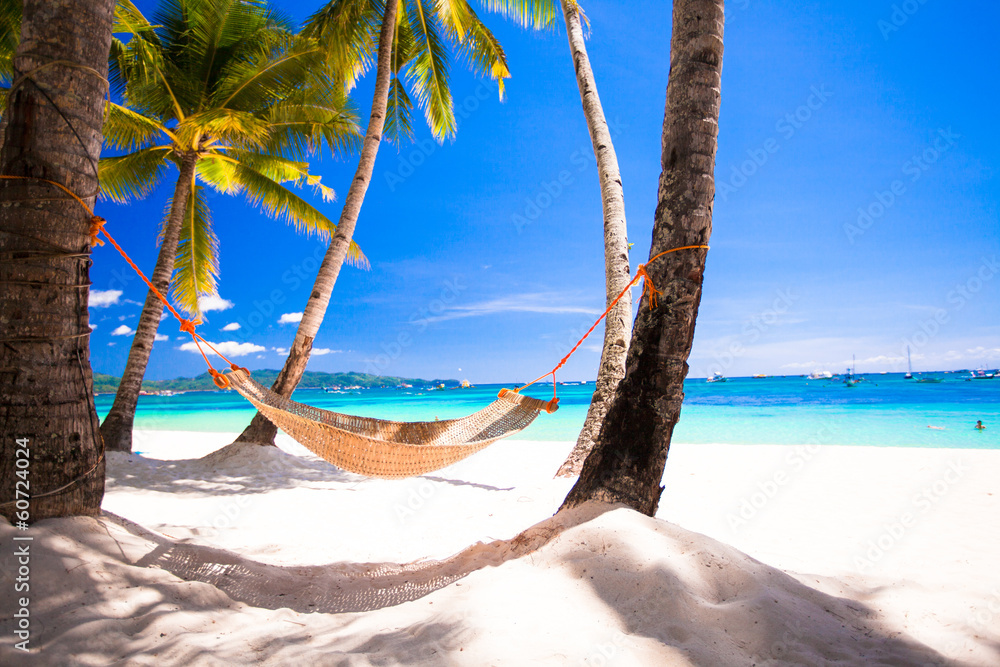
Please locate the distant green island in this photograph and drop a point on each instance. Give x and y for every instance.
(108, 384)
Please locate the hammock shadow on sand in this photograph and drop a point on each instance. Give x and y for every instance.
(239, 468)
(245, 469)
(336, 587)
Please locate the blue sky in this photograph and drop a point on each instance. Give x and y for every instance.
(856, 209)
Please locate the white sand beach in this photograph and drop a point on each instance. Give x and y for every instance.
(760, 555)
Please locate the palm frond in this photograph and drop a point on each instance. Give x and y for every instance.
(480, 47)
(537, 14)
(252, 83)
(236, 128)
(281, 203)
(133, 176)
(283, 170)
(348, 32)
(10, 36)
(129, 130)
(218, 170)
(399, 114)
(427, 73)
(197, 265)
(299, 127)
(128, 19)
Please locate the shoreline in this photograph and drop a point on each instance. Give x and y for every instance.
(234, 542)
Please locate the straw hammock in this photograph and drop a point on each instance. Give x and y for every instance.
(376, 447)
(388, 449)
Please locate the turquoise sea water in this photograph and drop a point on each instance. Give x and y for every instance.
(886, 410)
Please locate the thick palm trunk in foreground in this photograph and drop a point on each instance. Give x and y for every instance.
(117, 425)
(50, 448)
(618, 324)
(626, 464)
(260, 429)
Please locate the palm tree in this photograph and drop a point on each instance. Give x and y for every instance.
(618, 324)
(227, 93)
(409, 42)
(626, 464)
(46, 388)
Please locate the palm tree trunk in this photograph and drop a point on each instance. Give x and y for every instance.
(618, 324)
(117, 425)
(46, 386)
(260, 430)
(626, 465)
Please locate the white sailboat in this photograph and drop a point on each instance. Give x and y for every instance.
(909, 366)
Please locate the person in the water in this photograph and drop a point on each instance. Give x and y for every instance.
(979, 425)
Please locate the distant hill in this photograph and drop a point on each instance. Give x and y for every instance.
(105, 384)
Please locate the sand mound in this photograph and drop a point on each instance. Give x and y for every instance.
(590, 586)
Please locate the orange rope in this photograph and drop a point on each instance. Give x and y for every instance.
(648, 289)
(188, 326)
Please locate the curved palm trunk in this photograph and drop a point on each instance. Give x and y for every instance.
(618, 324)
(117, 426)
(260, 429)
(46, 385)
(626, 464)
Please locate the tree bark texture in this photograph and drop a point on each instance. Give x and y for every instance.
(618, 324)
(260, 429)
(117, 426)
(55, 111)
(626, 465)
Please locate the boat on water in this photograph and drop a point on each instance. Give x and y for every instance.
(820, 375)
(717, 377)
(759, 376)
(983, 374)
(850, 377)
(929, 380)
(909, 366)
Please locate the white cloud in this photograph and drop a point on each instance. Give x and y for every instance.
(880, 359)
(232, 326)
(93, 326)
(159, 337)
(290, 318)
(164, 315)
(540, 302)
(320, 351)
(103, 298)
(123, 330)
(111, 344)
(803, 365)
(230, 348)
(281, 350)
(213, 302)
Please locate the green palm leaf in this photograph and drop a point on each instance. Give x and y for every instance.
(481, 49)
(264, 188)
(348, 31)
(125, 129)
(197, 264)
(535, 14)
(10, 36)
(128, 177)
(428, 71)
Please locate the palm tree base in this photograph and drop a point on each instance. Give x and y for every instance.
(116, 430)
(259, 432)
